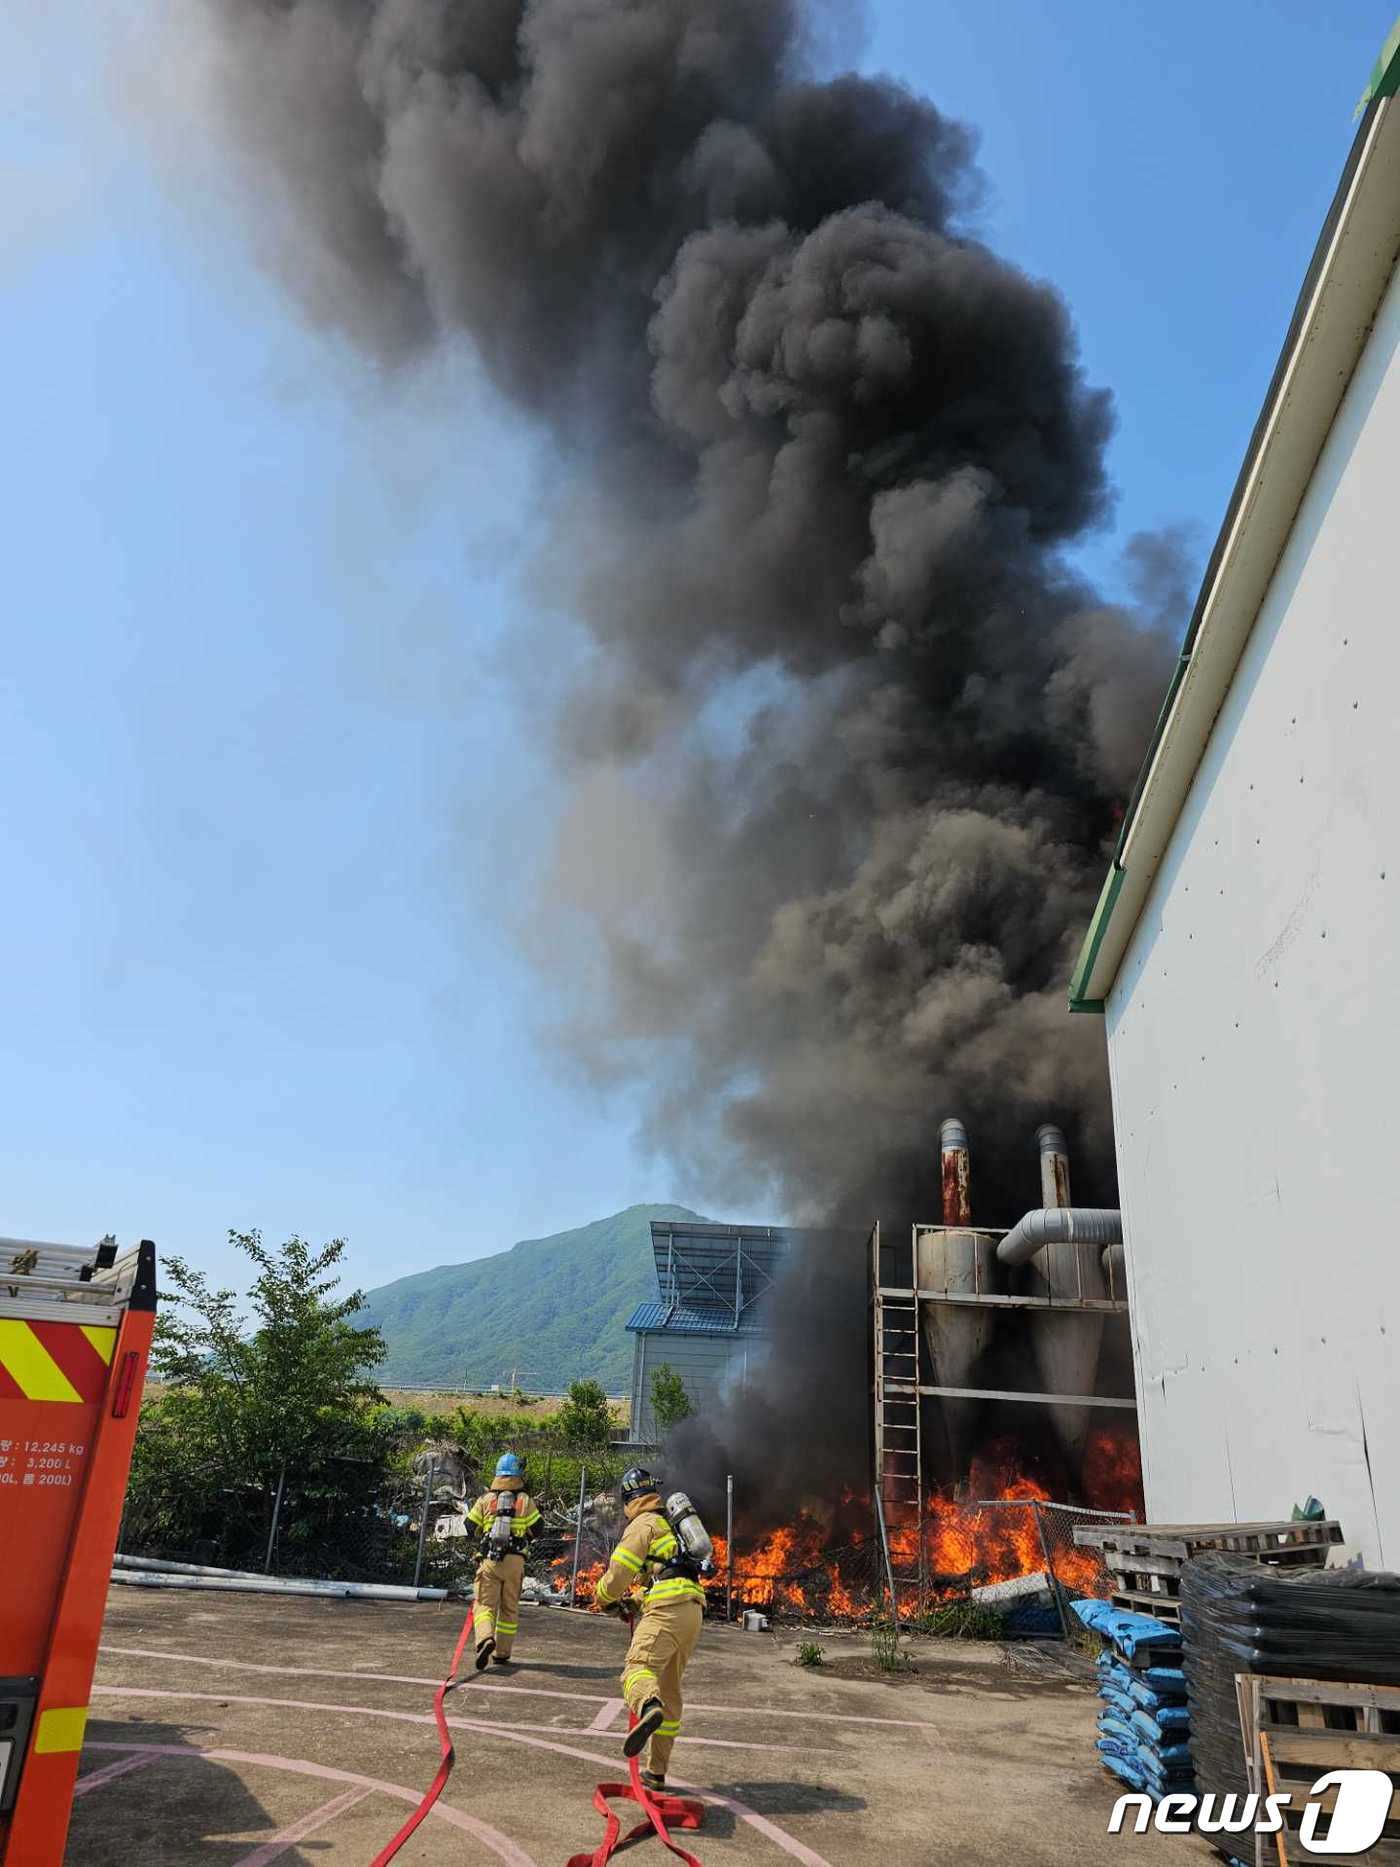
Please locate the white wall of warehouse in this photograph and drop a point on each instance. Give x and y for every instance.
(1254, 1039)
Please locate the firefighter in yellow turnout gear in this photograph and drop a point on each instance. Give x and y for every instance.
(666, 1634)
(506, 1516)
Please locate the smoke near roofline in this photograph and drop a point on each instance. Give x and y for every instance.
(847, 757)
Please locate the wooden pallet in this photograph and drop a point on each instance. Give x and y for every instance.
(1295, 1540)
(1162, 1607)
(1295, 1730)
(1144, 1561)
(1161, 1653)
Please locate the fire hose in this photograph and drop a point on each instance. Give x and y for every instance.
(659, 1809)
(449, 1754)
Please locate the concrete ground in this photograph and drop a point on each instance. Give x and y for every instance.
(238, 1730)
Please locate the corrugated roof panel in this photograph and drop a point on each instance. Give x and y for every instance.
(686, 1321)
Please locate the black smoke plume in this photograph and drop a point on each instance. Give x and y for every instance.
(853, 740)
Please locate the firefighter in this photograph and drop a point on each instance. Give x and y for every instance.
(506, 1516)
(665, 1635)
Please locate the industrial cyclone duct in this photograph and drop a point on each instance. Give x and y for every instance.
(956, 1259)
(1066, 1345)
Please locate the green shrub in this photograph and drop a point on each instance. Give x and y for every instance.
(811, 1653)
(963, 1620)
(585, 1417)
(885, 1648)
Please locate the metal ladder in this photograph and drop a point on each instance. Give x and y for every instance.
(899, 1452)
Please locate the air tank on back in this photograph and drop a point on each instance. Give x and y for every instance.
(1066, 1345)
(956, 1259)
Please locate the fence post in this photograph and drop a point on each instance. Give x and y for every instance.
(428, 1485)
(729, 1547)
(276, 1513)
(578, 1535)
(885, 1552)
(1050, 1575)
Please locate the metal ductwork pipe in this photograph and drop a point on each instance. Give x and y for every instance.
(955, 1260)
(1054, 1165)
(957, 1173)
(1061, 1246)
(1061, 1225)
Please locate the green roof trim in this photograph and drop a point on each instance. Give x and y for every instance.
(1093, 940)
(1183, 661)
(1384, 85)
(1385, 74)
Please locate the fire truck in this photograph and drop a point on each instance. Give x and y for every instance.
(75, 1335)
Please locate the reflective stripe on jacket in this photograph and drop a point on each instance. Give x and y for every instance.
(648, 1542)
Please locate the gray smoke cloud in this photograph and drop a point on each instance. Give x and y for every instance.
(853, 741)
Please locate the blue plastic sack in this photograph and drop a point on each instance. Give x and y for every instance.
(1128, 1632)
(1116, 1701)
(1125, 1769)
(1170, 1680)
(1121, 1728)
(1145, 1695)
(1163, 1749)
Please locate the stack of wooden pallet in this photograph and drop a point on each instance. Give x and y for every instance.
(1295, 1731)
(1144, 1560)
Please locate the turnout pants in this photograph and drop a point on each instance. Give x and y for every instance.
(498, 1583)
(662, 1643)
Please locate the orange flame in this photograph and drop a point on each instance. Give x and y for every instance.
(828, 1568)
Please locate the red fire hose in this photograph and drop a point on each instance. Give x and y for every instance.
(659, 1810)
(449, 1755)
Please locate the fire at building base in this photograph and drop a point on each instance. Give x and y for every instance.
(1000, 1417)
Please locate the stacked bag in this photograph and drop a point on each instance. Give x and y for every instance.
(1144, 1724)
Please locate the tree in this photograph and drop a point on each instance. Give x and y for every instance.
(585, 1419)
(288, 1390)
(670, 1404)
(268, 1395)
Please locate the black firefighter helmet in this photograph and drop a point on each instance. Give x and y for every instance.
(637, 1482)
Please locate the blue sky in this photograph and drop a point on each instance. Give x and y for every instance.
(272, 793)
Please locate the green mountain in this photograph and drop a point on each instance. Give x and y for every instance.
(552, 1307)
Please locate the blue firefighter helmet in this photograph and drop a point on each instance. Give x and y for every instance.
(508, 1466)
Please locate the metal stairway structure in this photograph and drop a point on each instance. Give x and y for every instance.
(899, 1452)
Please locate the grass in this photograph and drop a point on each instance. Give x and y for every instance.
(489, 1406)
(811, 1653)
(963, 1620)
(441, 1401)
(888, 1655)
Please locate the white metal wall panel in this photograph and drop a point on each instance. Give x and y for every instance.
(1254, 1039)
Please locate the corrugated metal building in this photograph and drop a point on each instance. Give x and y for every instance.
(1246, 949)
(708, 1321)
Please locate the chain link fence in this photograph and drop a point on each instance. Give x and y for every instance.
(357, 1520)
(1031, 1566)
(405, 1523)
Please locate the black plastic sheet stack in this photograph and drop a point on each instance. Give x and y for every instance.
(1242, 1616)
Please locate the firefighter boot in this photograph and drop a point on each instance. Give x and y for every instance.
(649, 1718)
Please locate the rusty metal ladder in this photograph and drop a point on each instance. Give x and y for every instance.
(899, 1452)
